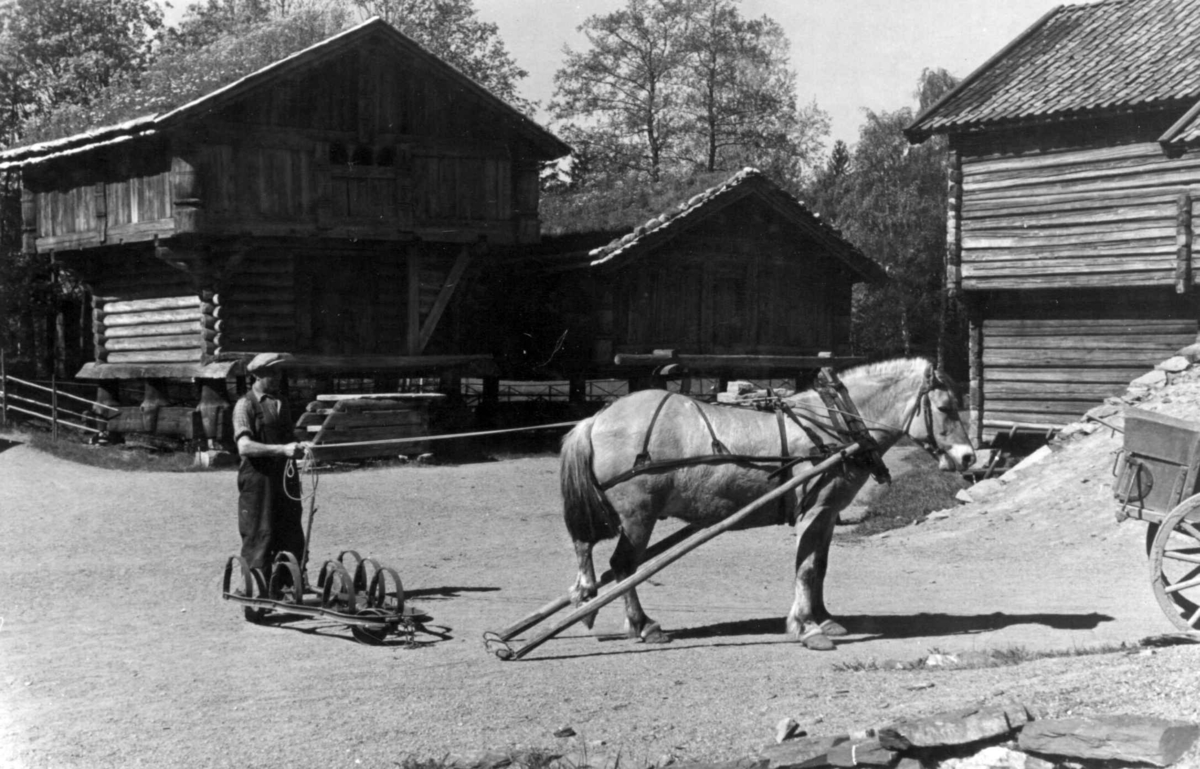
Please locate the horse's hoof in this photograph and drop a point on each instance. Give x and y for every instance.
(817, 641)
(833, 628)
(653, 634)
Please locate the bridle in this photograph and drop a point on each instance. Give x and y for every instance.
(922, 405)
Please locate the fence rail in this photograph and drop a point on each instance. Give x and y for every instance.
(14, 390)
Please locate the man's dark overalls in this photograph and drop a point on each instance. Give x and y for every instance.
(268, 519)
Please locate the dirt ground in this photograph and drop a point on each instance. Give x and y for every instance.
(116, 649)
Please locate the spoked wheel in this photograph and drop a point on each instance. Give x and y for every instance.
(367, 635)
(1175, 565)
(245, 582)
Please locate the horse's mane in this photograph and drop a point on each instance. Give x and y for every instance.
(887, 370)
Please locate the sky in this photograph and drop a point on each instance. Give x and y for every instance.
(849, 55)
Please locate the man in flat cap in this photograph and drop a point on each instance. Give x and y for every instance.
(269, 509)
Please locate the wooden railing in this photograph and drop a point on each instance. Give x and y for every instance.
(20, 396)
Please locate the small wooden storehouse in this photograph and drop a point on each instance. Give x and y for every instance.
(1073, 192)
(737, 279)
(327, 205)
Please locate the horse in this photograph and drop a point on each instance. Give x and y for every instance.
(709, 461)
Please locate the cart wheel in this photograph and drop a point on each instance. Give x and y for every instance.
(1175, 565)
(252, 585)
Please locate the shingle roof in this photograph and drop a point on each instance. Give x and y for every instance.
(148, 125)
(1186, 131)
(1107, 57)
(745, 182)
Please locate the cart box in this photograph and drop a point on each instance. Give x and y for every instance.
(1158, 466)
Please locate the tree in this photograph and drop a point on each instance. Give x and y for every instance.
(890, 201)
(622, 94)
(740, 94)
(450, 30)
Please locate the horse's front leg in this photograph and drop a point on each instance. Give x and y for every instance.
(808, 620)
(631, 547)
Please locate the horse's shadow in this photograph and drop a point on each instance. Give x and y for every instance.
(866, 627)
(6, 444)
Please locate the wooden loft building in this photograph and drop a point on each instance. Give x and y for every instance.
(738, 278)
(327, 206)
(1074, 186)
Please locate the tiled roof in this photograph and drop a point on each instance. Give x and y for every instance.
(745, 182)
(1106, 57)
(148, 125)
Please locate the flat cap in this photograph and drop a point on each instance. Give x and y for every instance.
(268, 360)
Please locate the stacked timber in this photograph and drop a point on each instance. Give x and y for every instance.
(332, 421)
(1076, 218)
(171, 329)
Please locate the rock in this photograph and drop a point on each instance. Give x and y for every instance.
(908, 762)
(1105, 411)
(1191, 353)
(940, 515)
(1125, 738)
(426, 459)
(793, 753)
(566, 731)
(852, 514)
(1174, 364)
(868, 752)
(986, 488)
(956, 727)
(787, 729)
(593, 759)
(1150, 379)
(214, 458)
(941, 661)
(964, 495)
(998, 757)
(740, 763)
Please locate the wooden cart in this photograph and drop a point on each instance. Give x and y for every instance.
(1158, 481)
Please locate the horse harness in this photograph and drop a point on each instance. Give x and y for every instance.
(843, 416)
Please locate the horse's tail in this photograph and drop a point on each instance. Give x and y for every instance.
(587, 514)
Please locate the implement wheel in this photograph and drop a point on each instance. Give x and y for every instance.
(1175, 565)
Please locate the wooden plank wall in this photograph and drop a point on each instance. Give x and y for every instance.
(256, 305)
(1049, 358)
(1072, 218)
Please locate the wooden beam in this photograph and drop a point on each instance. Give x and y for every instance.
(444, 296)
(1183, 245)
(734, 362)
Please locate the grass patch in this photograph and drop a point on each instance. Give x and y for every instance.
(910, 498)
(990, 658)
(129, 456)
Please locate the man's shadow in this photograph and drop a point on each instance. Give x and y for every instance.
(866, 627)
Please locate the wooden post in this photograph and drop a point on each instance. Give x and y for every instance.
(414, 301)
(954, 226)
(1183, 244)
(54, 405)
(3, 392)
(108, 393)
(975, 313)
(152, 401)
(214, 412)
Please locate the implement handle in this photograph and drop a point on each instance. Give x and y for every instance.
(655, 565)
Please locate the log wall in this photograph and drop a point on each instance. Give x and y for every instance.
(1048, 357)
(1073, 218)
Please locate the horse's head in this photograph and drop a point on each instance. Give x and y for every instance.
(936, 426)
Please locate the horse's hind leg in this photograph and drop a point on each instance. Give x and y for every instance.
(631, 547)
(584, 588)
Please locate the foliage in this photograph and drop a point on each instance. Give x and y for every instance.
(450, 30)
(669, 87)
(889, 199)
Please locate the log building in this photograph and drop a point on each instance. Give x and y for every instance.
(738, 279)
(1073, 190)
(328, 205)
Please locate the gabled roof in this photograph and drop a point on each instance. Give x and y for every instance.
(1105, 58)
(549, 145)
(746, 183)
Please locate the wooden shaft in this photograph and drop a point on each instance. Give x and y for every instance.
(559, 603)
(655, 565)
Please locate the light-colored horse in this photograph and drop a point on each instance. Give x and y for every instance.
(603, 497)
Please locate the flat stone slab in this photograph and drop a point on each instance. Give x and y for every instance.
(793, 753)
(957, 727)
(1111, 738)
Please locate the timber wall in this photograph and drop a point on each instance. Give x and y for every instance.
(1075, 218)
